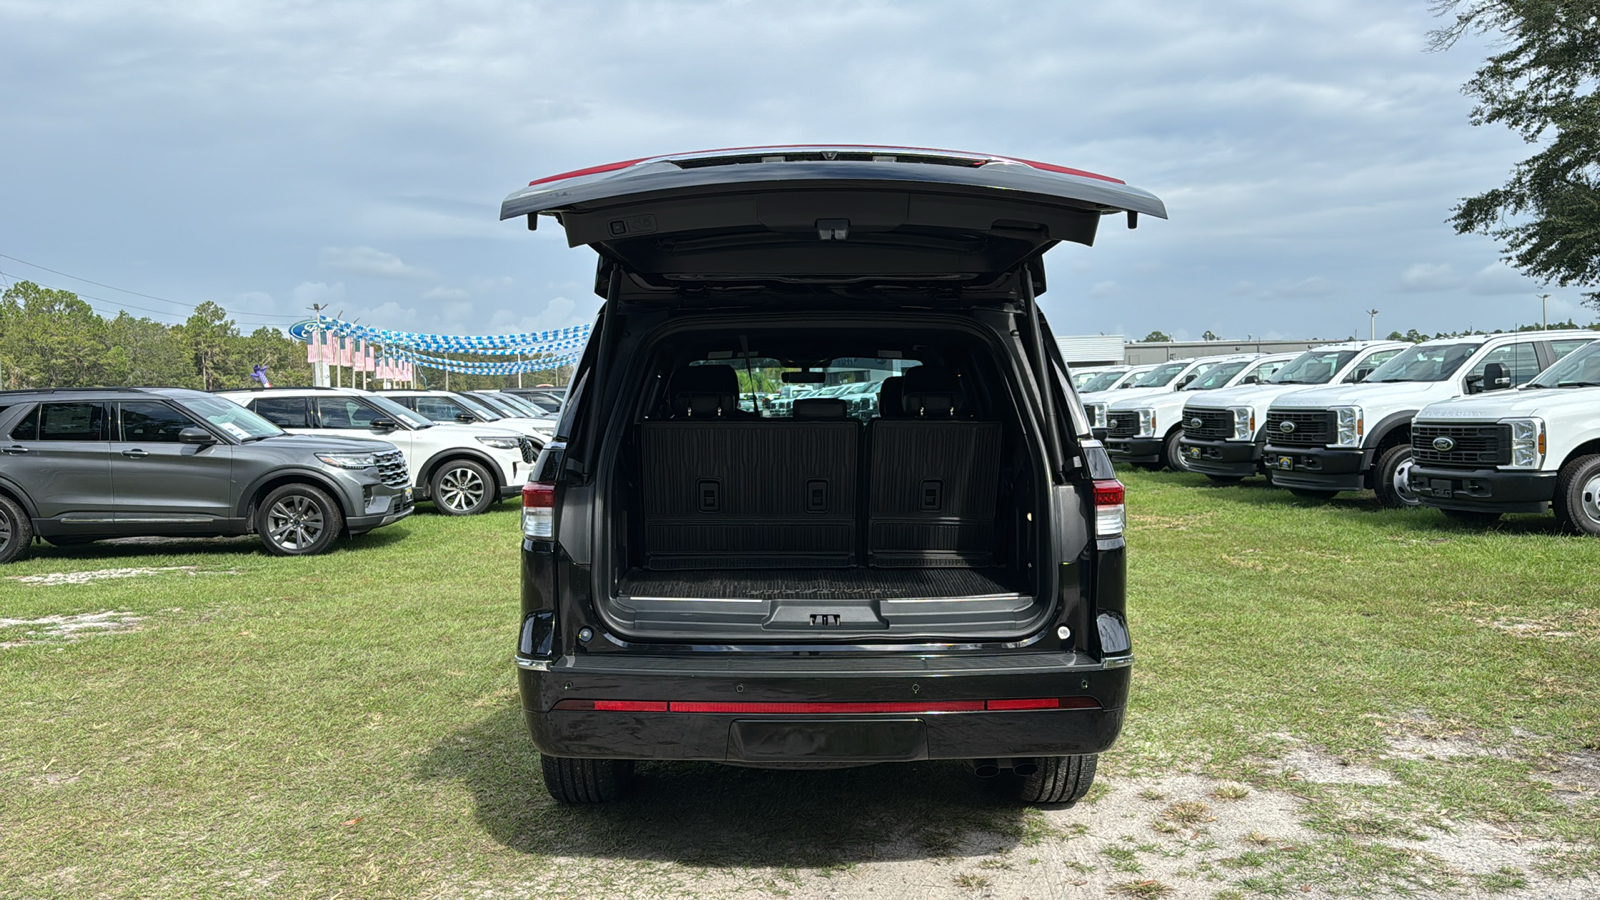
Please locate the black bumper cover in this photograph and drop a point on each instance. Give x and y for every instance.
(1318, 468)
(1139, 450)
(1483, 490)
(1239, 459)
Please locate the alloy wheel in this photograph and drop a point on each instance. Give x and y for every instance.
(6, 529)
(295, 522)
(461, 489)
(1402, 484)
(1590, 499)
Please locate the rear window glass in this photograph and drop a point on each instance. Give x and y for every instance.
(284, 412)
(853, 385)
(72, 422)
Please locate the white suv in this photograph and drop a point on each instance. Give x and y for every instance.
(1516, 451)
(450, 407)
(463, 469)
(1224, 431)
(1324, 440)
(1145, 429)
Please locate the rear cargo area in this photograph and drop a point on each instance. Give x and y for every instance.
(908, 518)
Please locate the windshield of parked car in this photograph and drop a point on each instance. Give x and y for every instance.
(1424, 362)
(482, 409)
(1313, 367)
(1160, 376)
(231, 417)
(1099, 381)
(1580, 368)
(399, 413)
(514, 405)
(1217, 376)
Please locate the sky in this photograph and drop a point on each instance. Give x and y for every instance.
(266, 156)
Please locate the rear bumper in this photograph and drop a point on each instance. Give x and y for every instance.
(1483, 490)
(1230, 458)
(1139, 450)
(1318, 468)
(916, 731)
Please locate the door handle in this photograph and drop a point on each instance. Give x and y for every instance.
(135, 454)
(14, 451)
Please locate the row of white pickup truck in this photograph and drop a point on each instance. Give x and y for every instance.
(1476, 426)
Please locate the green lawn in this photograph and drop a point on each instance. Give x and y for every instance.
(347, 723)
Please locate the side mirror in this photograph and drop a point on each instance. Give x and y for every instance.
(466, 418)
(196, 435)
(382, 425)
(1250, 379)
(1359, 375)
(1184, 381)
(1495, 377)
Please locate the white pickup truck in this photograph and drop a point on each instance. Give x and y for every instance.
(1526, 450)
(1096, 394)
(1144, 428)
(1324, 440)
(1224, 431)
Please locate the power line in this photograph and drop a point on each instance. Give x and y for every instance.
(112, 305)
(267, 318)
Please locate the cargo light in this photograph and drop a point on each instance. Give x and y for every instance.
(846, 707)
(1110, 514)
(539, 510)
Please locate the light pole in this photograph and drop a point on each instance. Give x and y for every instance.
(1372, 324)
(1544, 307)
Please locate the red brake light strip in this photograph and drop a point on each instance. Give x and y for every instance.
(829, 707)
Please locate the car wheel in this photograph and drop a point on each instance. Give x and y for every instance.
(16, 530)
(1059, 779)
(1393, 479)
(1577, 500)
(1173, 451)
(298, 520)
(1310, 494)
(462, 487)
(575, 781)
(1225, 479)
(1474, 517)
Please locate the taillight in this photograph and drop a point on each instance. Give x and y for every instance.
(538, 510)
(1110, 516)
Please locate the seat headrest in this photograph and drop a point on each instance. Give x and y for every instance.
(821, 408)
(704, 392)
(930, 393)
(890, 395)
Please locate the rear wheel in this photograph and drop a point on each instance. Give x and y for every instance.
(1471, 516)
(16, 530)
(1172, 451)
(462, 487)
(298, 520)
(1577, 500)
(1393, 479)
(576, 781)
(1310, 494)
(1060, 779)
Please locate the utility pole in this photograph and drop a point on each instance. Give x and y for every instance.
(1372, 324)
(1544, 305)
(319, 375)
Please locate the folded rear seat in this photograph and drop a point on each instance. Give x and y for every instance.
(723, 489)
(932, 478)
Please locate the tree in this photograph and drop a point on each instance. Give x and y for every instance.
(1544, 87)
(147, 353)
(51, 338)
(1157, 336)
(1209, 336)
(214, 340)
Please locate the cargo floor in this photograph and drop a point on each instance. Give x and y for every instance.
(819, 584)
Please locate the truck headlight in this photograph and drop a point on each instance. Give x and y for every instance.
(1349, 428)
(1244, 423)
(1147, 422)
(502, 443)
(1097, 414)
(1527, 443)
(349, 460)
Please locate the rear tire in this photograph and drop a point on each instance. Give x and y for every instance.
(1392, 480)
(1310, 494)
(578, 781)
(1577, 500)
(16, 530)
(1172, 452)
(462, 487)
(1474, 517)
(1060, 779)
(298, 520)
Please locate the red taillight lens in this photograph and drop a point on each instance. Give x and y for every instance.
(538, 510)
(1110, 516)
(592, 170)
(813, 708)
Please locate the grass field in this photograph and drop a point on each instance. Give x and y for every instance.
(243, 725)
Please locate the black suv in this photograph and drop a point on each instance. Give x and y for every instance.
(707, 578)
(84, 464)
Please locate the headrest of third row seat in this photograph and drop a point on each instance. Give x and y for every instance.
(931, 393)
(821, 408)
(704, 392)
(890, 398)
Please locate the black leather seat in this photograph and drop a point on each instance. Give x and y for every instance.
(705, 392)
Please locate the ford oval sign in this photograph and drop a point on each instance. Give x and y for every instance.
(1111, 423)
(1443, 444)
(1286, 427)
(1195, 423)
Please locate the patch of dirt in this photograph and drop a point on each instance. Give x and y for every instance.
(55, 579)
(1575, 776)
(1310, 764)
(1477, 849)
(59, 629)
(1174, 523)
(1421, 737)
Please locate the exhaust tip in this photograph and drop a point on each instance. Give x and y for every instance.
(985, 768)
(1025, 767)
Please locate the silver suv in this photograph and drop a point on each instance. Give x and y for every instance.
(81, 465)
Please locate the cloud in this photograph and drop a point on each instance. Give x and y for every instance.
(1426, 278)
(370, 262)
(1498, 279)
(440, 292)
(1305, 288)
(308, 293)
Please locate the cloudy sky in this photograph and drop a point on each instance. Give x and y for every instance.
(267, 156)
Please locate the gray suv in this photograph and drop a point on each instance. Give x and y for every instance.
(85, 464)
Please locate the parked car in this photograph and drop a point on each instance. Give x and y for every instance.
(1160, 378)
(451, 407)
(1146, 429)
(1096, 395)
(512, 405)
(463, 469)
(1224, 431)
(943, 582)
(80, 465)
(1085, 380)
(1324, 440)
(1525, 450)
(550, 398)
